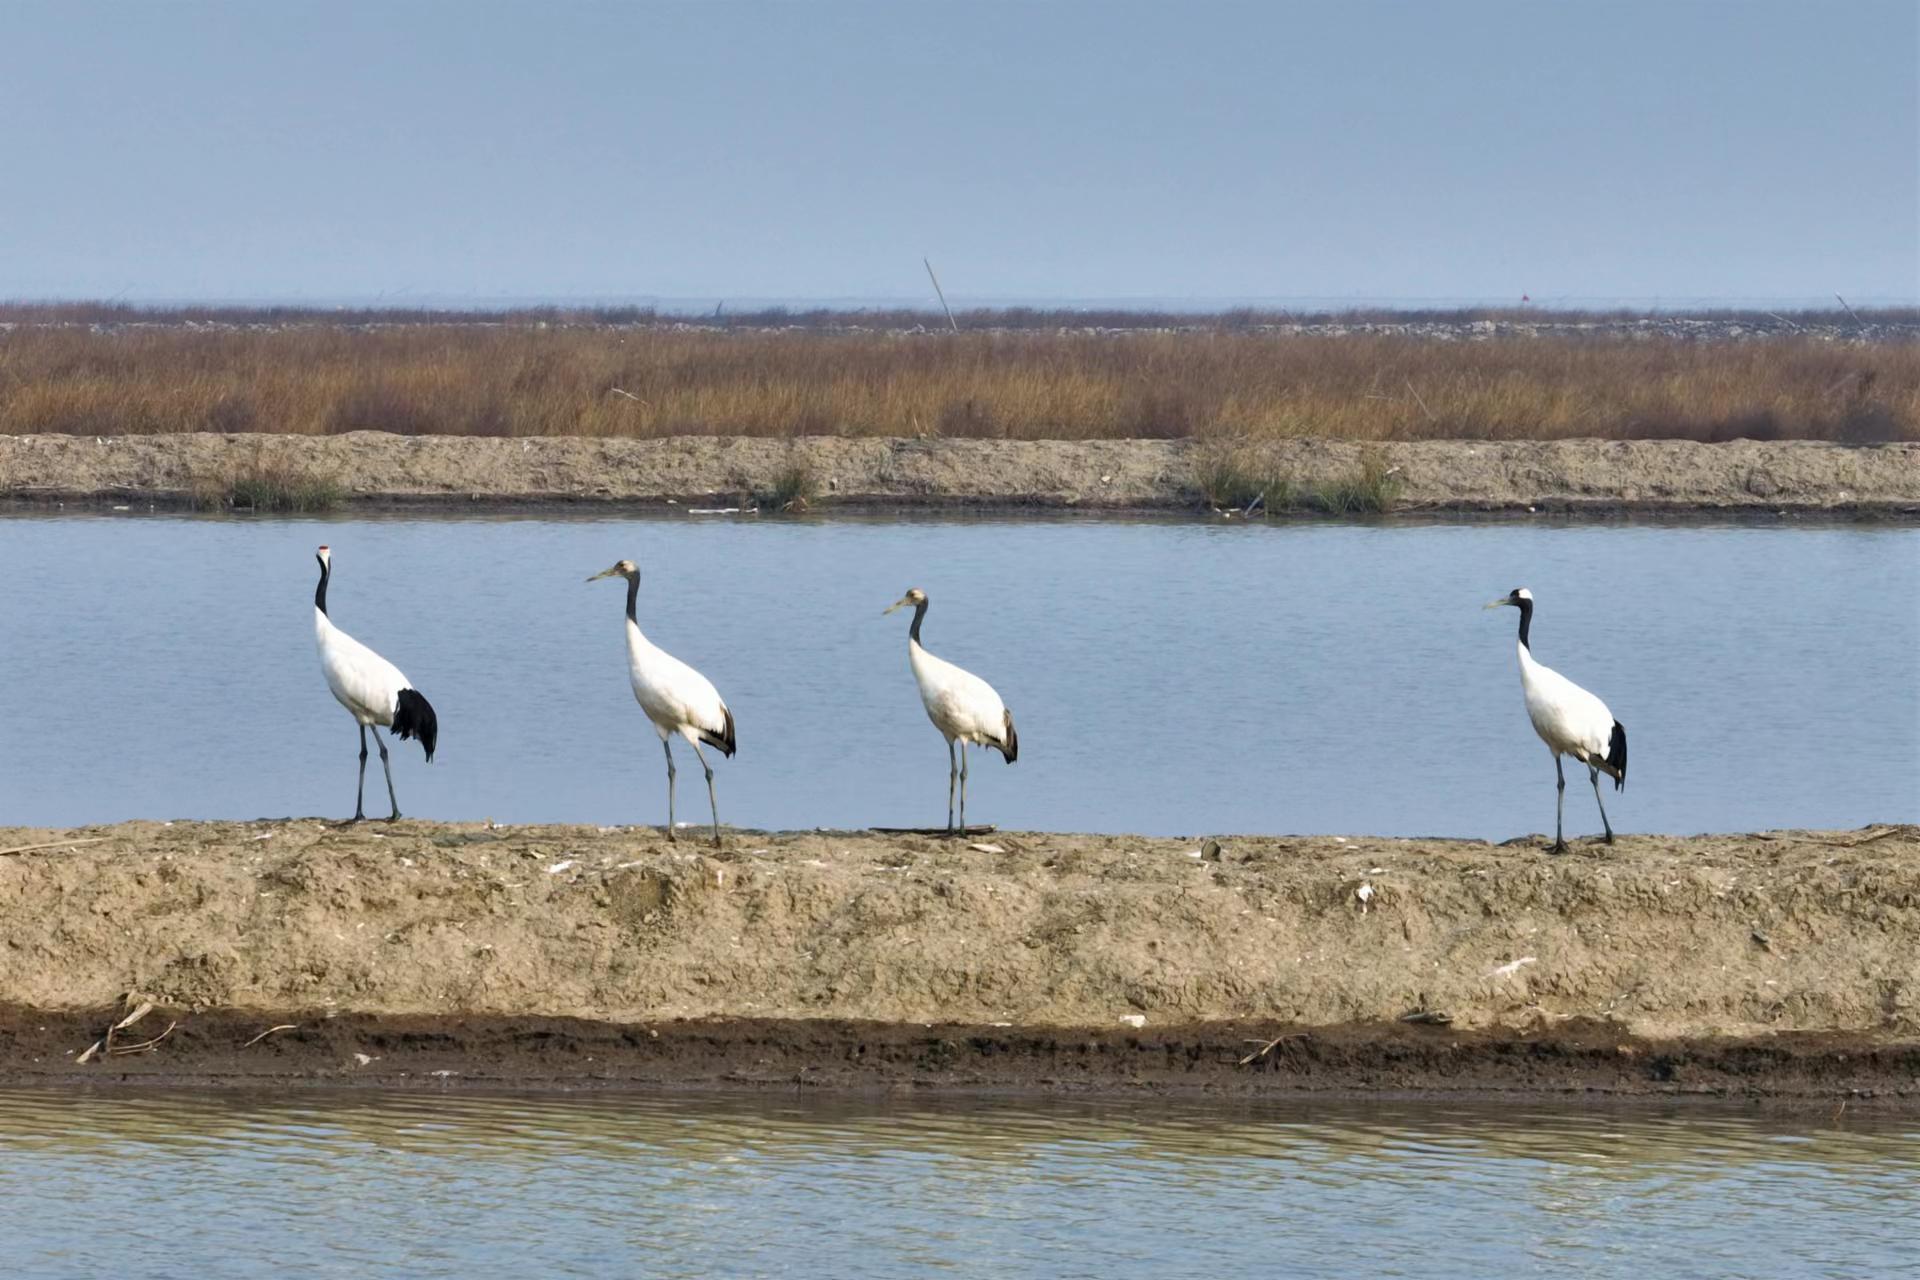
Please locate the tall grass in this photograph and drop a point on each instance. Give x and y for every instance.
(1238, 476)
(524, 379)
(795, 488)
(262, 486)
(1369, 489)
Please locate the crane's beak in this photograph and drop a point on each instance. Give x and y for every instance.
(604, 573)
(901, 603)
(1495, 604)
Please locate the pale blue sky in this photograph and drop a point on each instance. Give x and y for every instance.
(1048, 150)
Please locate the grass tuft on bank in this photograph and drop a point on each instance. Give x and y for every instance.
(267, 487)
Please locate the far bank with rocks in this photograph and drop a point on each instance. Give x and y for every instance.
(370, 469)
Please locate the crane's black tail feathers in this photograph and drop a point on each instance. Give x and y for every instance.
(1010, 747)
(724, 739)
(1617, 756)
(414, 718)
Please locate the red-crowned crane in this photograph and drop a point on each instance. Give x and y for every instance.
(962, 706)
(1571, 721)
(676, 698)
(373, 691)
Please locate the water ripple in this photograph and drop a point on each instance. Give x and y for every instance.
(232, 1184)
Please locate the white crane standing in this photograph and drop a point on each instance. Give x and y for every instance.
(371, 689)
(962, 706)
(1569, 720)
(676, 698)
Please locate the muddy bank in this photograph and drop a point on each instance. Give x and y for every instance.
(374, 468)
(223, 1047)
(1780, 964)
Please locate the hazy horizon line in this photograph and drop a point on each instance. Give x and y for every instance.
(403, 300)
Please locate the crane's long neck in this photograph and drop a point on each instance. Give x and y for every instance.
(320, 592)
(919, 613)
(636, 638)
(1526, 620)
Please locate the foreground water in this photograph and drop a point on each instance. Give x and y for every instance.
(1166, 677)
(145, 1182)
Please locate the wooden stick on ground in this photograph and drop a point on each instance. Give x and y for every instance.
(1270, 1046)
(145, 1046)
(146, 1007)
(53, 844)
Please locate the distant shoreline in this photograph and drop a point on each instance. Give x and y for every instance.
(1302, 477)
(1435, 317)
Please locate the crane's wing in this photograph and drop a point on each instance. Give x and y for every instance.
(673, 695)
(360, 678)
(958, 701)
(1569, 717)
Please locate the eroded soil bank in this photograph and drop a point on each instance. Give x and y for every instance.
(1780, 964)
(372, 468)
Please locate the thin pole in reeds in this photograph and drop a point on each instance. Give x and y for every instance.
(1850, 311)
(943, 295)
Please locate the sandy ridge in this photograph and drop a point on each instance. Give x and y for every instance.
(1706, 936)
(1798, 477)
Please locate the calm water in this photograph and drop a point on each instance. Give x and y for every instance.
(137, 1182)
(1166, 677)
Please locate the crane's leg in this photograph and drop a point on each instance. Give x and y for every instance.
(667, 747)
(963, 786)
(953, 776)
(1559, 806)
(392, 799)
(701, 756)
(360, 793)
(1593, 775)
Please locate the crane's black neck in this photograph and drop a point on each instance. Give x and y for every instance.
(919, 612)
(1526, 620)
(320, 592)
(633, 598)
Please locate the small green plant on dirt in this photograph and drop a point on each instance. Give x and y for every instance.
(1370, 488)
(795, 487)
(1240, 478)
(266, 486)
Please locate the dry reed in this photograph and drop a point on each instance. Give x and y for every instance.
(525, 379)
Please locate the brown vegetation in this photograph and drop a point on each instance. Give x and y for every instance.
(646, 380)
(263, 483)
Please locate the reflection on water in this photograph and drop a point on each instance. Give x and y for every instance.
(215, 1184)
(1166, 677)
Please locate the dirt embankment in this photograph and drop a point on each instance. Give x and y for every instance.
(1778, 964)
(870, 473)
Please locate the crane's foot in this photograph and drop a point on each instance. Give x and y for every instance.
(394, 816)
(1607, 839)
(1559, 846)
(672, 838)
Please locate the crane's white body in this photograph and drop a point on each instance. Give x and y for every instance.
(676, 698)
(1570, 720)
(962, 706)
(363, 682)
